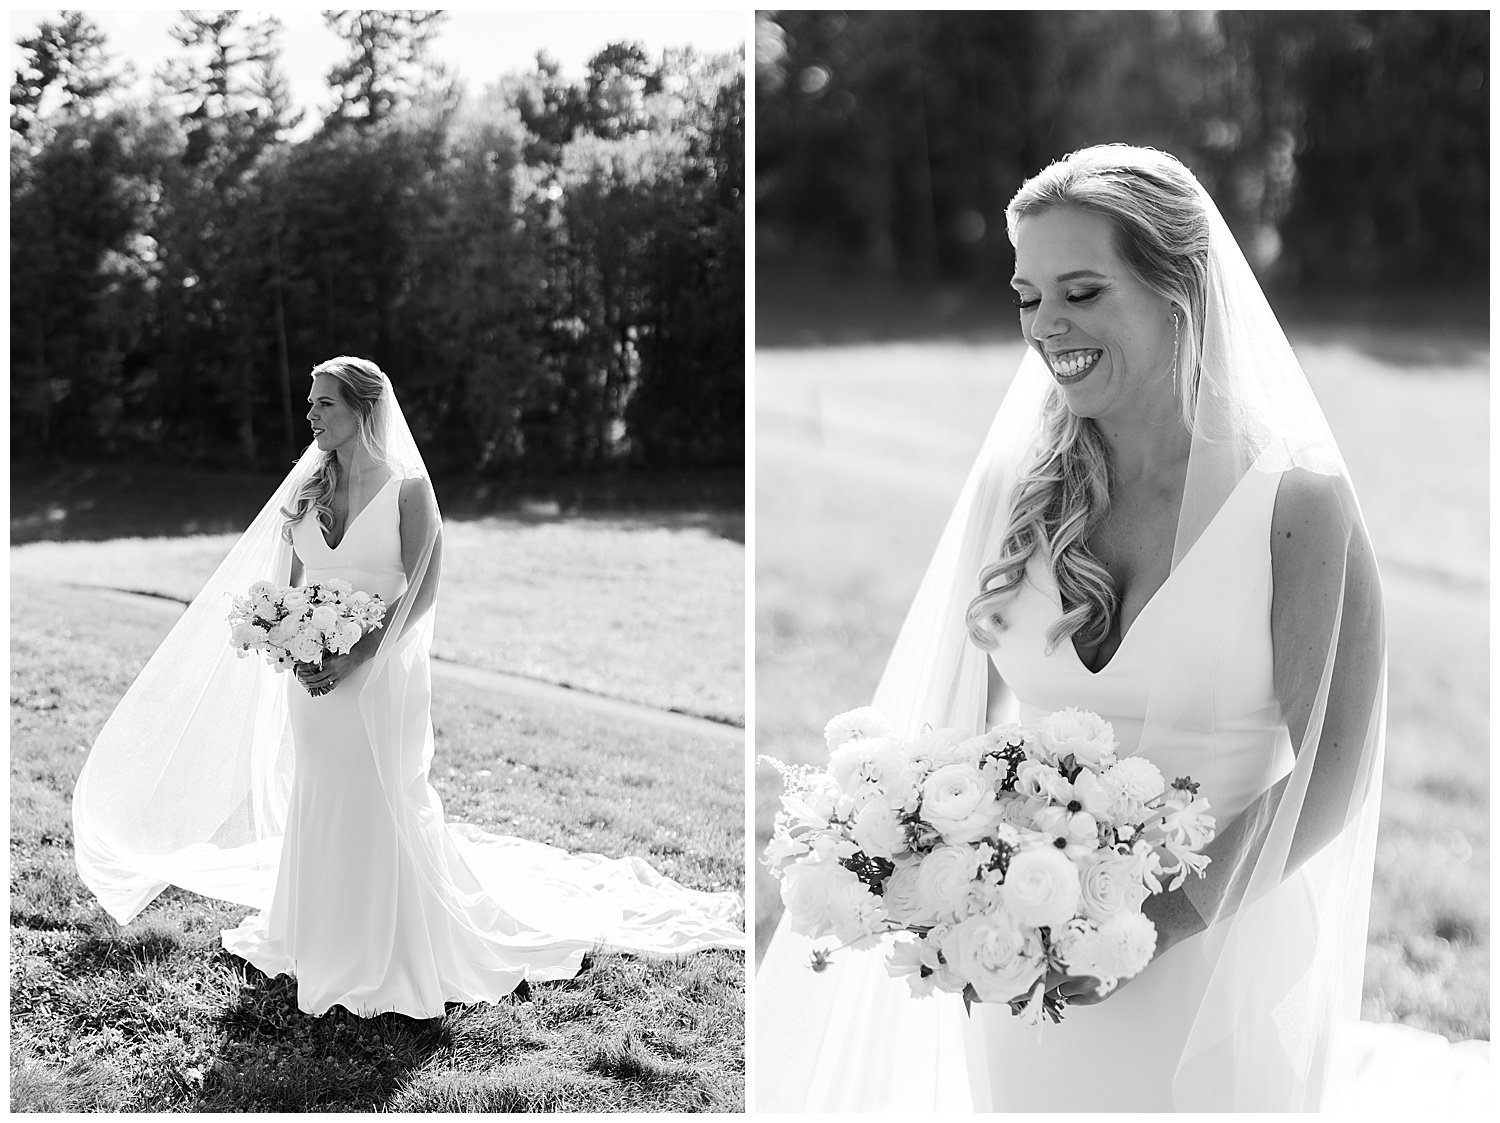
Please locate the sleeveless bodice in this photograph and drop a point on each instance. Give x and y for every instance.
(1190, 685)
(369, 554)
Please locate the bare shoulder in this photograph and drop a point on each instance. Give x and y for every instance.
(1314, 517)
(417, 496)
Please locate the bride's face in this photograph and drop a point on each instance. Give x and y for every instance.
(1106, 337)
(334, 423)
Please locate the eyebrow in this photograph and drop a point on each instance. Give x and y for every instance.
(1073, 276)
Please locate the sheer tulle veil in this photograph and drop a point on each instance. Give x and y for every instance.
(188, 782)
(1287, 899)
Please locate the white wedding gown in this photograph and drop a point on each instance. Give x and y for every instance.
(1200, 649)
(380, 906)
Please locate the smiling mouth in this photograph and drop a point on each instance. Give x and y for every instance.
(1071, 366)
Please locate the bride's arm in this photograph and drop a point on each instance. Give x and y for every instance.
(1328, 643)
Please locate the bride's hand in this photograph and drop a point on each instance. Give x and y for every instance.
(335, 668)
(1078, 990)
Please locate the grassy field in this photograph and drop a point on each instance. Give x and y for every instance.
(862, 446)
(154, 1017)
(645, 607)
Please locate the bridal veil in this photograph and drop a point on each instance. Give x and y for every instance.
(851, 1038)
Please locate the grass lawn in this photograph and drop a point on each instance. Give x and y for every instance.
(649, 609)
(154, 1017)
(862, 447)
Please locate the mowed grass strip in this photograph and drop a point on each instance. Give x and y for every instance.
(156, 1017)
(845, 527)
(637, 609)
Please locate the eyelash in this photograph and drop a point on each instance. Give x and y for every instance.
(1075, 298)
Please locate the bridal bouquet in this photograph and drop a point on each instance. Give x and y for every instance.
(1027, 847)
(302, 623)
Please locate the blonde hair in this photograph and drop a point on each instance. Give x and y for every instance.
(1162, 235)
(362, 385)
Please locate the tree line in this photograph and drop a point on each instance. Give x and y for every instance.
(1347, 149)
(550, 270)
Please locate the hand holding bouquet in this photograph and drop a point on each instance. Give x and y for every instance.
(1027, 848)
(300, 624)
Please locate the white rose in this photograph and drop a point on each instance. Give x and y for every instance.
(994, 955)
(1081, 734)
(903, 903)
(877, 830)
(943, 881)
(819, 895)
(1041, 887)
(1108, 885)
(864, 723)
(306, 648)
(957, 801)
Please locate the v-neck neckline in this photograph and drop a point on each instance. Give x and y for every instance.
(1156, 595)
(348, 526)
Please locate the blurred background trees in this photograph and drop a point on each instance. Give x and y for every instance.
(550, 270)
(1347, 149)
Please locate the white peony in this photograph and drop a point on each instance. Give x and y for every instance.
(943, 881)
(1035, 779)
(864, 723)
(995, 956)
(260, 589)
(1041, 887)
(957, 801)
(1081, 734)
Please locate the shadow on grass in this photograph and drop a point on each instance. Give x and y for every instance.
(274, 1057)
(73, 502)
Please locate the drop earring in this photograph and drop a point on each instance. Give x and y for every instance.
(1176, 345)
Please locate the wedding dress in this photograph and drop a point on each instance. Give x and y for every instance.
(1259, 1010)
(218, 775)
(1204, 638)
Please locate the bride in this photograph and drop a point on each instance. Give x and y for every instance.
(1159, 528)
(306, 796)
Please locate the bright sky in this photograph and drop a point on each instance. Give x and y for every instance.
(480, 45)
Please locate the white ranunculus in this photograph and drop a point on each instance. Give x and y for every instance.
(1109, 885)
(995, 956)
(957, 801)
(903, 903)
(324, 617)
(295, 600)
(878, 831)
(1041, 887)
(864, 723)
(943, 881)
(1081, 734)
(819, 896)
